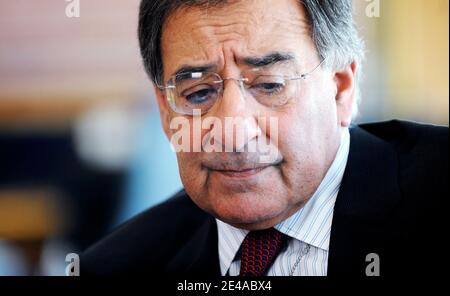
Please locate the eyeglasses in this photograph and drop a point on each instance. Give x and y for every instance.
(186, 92)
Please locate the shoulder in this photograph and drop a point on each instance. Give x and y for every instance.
(146, 242)
(409, 136)
(389, 201)
(421, 158)
(418, 146)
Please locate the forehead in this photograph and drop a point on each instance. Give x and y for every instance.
(229, 33)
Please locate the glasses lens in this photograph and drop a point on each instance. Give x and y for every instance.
(195, 90)
(271, 90)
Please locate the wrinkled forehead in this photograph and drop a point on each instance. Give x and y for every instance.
(235, 32)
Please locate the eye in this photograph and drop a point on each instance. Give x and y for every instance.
(200, 96)
(268, 88)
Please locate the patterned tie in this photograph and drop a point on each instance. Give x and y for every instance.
(259, 250)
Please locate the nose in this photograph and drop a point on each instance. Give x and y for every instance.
(239, 124)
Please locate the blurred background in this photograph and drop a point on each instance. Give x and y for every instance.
(81, 146)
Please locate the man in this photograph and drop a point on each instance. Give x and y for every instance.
(332, 199)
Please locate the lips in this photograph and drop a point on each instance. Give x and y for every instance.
(237, 167)
(240, 173)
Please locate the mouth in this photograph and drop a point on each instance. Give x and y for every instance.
(233, 170)
(241, 173)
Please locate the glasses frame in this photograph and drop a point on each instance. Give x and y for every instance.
(241, 80)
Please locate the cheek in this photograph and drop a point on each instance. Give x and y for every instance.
(304, 158)
(194, 178)
(306, 130)
(322, 101)
(312, 117)
(191, 172)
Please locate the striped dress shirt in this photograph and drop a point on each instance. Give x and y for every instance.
(308, 229)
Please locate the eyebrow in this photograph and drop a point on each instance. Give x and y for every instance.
(190, 69)
(263, 61)
(269, 59)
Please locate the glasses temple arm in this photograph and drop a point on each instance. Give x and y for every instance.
(310, 72)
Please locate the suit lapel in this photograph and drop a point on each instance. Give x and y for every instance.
(367, 196)
(199, 256)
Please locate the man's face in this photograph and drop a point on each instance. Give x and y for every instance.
(236, 187)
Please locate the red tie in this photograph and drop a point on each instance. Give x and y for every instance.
(259, 250)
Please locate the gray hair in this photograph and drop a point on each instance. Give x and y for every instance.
(332, 30)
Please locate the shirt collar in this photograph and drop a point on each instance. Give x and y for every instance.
(311, 224)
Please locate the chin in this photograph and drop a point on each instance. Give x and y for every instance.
(249, 211)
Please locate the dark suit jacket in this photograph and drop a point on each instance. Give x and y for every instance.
(389, 203)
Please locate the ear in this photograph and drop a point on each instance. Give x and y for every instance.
(345, 93)
(164, 112)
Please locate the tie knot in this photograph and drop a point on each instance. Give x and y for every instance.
(259, 250)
